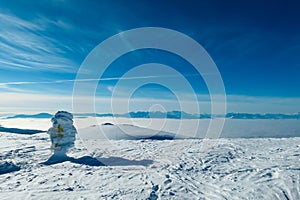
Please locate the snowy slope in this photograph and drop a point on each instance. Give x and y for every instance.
(265, 168)
(122, 132)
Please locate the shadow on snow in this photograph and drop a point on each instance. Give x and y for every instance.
(91, 161)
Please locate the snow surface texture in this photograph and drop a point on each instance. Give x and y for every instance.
(255, 168)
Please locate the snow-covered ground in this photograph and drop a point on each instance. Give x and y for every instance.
(231, 168)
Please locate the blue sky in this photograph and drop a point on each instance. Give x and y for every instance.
(255, 44)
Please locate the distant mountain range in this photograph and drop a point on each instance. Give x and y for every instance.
(262, 116)
(170, 115)
(39, 115)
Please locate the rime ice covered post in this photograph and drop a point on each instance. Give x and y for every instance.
(62, 133)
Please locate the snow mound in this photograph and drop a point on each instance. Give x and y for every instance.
(7, 167)
(123, 132)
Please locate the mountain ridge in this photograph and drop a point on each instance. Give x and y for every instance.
(170, 115)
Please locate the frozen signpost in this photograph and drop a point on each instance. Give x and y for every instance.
(62, 133)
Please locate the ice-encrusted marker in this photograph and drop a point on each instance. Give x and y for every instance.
(62, 133)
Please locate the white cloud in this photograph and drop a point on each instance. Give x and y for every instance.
(251, 104)
(24, 102)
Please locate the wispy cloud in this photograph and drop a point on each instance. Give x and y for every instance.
(88, 80)
(26, 45)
